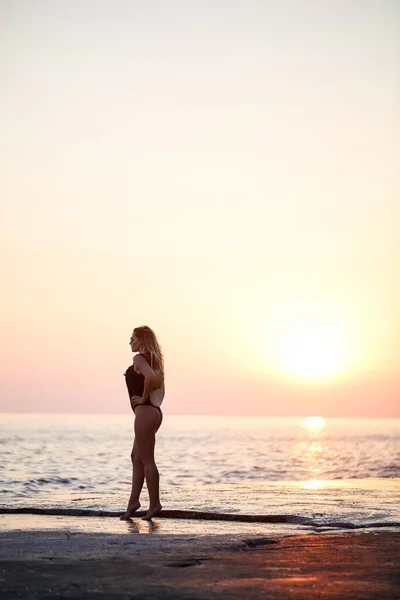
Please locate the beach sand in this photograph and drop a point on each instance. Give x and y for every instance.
(51, 557)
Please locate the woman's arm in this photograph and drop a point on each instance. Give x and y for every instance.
(143, 367)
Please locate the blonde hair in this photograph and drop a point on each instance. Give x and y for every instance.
(151, 345)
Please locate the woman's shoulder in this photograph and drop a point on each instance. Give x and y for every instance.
(141, 361)
(139, 356)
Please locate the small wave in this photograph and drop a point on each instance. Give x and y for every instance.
(51, 480)
(346, 525)
(207, 516)
(167, 514)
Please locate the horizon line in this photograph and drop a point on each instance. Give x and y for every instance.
(258, 416)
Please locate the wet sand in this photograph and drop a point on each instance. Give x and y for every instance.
(67, 561)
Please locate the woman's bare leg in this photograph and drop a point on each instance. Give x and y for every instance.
(137, 483)
(147, 422)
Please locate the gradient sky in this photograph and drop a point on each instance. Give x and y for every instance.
(226, 172)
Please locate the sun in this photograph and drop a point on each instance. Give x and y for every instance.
(309, 348)
(309, 352)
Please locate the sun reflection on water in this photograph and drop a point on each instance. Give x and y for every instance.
(314, 424)
(310, 453)
(314, 484)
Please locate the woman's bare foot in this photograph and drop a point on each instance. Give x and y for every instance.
(152, 512)
(130, 511)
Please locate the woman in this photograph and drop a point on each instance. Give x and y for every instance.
(145, 383)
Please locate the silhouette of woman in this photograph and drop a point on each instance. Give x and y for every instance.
(145, 383)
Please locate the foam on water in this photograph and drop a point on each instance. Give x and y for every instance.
(345, 504)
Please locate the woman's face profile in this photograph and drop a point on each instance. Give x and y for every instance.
(134, 343)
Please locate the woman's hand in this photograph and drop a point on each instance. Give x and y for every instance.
(136, 400)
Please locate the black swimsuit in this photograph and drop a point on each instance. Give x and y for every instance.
(135, 384)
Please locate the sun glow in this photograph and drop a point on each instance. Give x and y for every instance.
(309, 346)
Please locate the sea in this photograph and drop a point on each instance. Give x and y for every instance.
(320, 473)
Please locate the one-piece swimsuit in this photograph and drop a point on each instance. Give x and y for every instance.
(135, 384)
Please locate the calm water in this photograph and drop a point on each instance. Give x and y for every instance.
(235, 464)
(41, 453)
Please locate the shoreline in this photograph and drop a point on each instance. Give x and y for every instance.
(179, 522)
(39, 564)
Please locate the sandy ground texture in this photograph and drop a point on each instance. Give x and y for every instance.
(59, 562)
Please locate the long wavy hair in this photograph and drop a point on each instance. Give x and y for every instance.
(151, 346)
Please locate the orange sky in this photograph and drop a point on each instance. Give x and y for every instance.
(225, 173)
